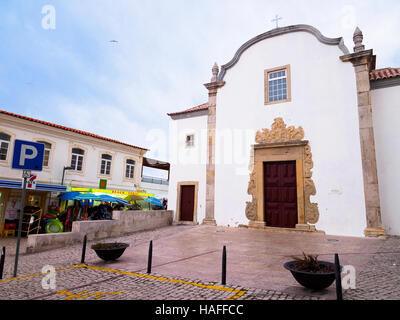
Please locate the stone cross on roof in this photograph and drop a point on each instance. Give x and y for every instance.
(277, 18)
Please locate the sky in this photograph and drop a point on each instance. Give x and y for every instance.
(59, 64)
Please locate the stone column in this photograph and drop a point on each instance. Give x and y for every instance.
(212, 87)
(363, 62)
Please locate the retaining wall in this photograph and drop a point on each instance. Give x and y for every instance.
(124, 222)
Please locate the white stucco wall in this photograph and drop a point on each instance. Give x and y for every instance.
(324, 103)
(386, 119)
(188, 164)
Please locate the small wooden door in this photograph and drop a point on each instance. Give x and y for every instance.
(280, 194)
(187, 203)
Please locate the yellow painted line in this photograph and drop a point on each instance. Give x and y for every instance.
(237, 293)
(38, 274)
(81, 295)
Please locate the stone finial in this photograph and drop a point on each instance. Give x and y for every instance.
(358, 39)
(215, 71)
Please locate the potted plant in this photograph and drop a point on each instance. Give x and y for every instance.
(310, 272)
(109, 251)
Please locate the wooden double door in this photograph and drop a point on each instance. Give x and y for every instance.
(280, 194)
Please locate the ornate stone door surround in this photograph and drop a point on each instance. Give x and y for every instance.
(282, 143)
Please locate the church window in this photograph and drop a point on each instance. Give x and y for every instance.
(190, 140)
(277, 85)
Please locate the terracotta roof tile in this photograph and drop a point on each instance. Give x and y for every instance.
(68, 129)
(203, 106)
(384, 73)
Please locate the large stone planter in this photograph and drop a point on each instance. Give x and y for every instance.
(312, 280)
(110, 251)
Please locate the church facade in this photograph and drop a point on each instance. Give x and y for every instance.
(298, 133)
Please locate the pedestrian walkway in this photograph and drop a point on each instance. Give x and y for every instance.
(83, 282)
(193, 254)
(379, 279)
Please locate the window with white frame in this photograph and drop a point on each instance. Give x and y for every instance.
(130, 169)
(77, 159)
(47, 150)
(190, 140)
(277, 86)
(277, 82)
(105, 167)
(4, 145)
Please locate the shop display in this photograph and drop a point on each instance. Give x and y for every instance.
(12, 209)
(54, 226)
(31, 220)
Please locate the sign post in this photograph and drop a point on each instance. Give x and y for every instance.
(26, 174)
(27, 156)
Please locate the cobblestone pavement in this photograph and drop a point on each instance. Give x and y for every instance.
(380, 277)
(78, 282)
(68, 256)
(83, 282)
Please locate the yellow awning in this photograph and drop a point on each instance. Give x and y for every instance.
(114, 192)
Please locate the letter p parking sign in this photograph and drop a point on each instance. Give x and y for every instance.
(28, 155)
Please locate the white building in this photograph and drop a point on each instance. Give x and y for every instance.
(73, 159)
(298, 133)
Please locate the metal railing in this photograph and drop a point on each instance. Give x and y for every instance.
(155, 180)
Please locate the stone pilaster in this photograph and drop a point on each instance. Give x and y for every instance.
(212, 87)
(363, 61)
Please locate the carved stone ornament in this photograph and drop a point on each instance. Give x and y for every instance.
(358, 39)
(215, 71)
(279, 133)
(251, 207)
(311, 209)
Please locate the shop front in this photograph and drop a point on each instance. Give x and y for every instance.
(137, 200)
(37, 203)
(114, 193)
(81, 204)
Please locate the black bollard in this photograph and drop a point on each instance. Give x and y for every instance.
(150, 257)
(339, 293)
(84, 249)
(3, 257)
(224, 266)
